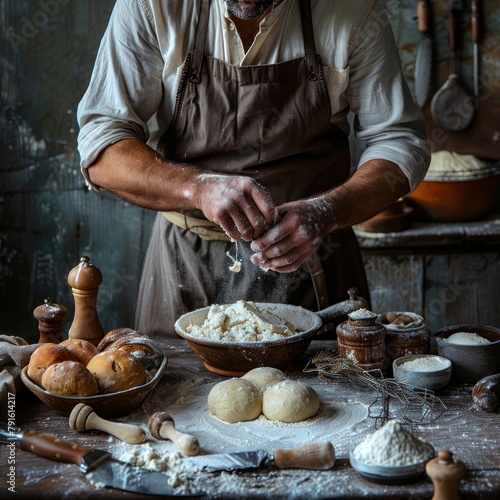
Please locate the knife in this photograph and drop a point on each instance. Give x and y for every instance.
(424, 55)
(475, 28)
(316, 456)
(102, 468)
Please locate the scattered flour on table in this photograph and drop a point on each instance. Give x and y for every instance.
(392, 445)
(467, 338)
(427, 364)
(235, 323)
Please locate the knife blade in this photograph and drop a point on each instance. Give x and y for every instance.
(315, 456)
(102, 468)
(424, 55)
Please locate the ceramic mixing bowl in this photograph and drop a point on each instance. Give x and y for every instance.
(422, 376)
(470, 363)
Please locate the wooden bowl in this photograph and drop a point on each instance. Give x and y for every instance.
(105, 405)
(455, 201)
(470, 363)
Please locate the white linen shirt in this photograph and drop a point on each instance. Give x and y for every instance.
(133, 87)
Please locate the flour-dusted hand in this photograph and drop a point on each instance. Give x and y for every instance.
(289, 243)
(239, 204)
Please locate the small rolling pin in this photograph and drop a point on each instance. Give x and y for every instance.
(83, 418)
(162, 426)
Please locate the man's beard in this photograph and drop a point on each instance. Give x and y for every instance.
(249, 9)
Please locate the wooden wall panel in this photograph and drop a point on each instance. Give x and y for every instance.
(395, 282)
(462, 289)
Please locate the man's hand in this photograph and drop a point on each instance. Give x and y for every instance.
(239, 204)
(288, 244)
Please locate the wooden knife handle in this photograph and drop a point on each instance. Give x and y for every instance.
(316, 456)
(423, 15)
(474, 21)
(455, 7)
(53, 447)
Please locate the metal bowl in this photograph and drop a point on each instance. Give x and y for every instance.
(388, 474)
(471, 363)
(423, 379)
(105, 405)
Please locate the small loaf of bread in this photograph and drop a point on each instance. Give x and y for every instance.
(69, 378)
(135, 343)
(45, 356)
(116, 370)
(82, 350)
(111, 337)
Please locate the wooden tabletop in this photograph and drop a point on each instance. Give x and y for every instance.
(473, 438)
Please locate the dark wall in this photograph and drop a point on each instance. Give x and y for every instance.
(48, 217)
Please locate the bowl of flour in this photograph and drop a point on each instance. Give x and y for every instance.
(474, 350)
(422, 371)
(391, 454)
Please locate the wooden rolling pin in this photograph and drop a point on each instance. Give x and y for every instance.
(445, 474)
(83, 418)
(162, 426)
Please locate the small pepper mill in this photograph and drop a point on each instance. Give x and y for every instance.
(445, 474)
(50, 317)
(362, 339)
(84, 280)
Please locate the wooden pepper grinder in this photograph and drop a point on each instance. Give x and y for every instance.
(445, 474)
(50, 317)
(84, 280)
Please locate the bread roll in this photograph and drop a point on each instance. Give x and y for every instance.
(45, 356)
(111, 337)
(142, 348)
(82, 350)
(69, 378)
(116, 371)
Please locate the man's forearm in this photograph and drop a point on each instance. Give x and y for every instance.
(136, 173)
(376, 185)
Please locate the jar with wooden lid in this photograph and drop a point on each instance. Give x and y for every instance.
(405, 334)
(362, 340)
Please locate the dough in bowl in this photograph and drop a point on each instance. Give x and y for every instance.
(264, 376)
(235, 400)
(290, 401)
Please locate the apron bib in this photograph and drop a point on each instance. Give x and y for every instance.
(270, 122)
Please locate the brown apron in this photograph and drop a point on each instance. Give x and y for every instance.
(271, 122)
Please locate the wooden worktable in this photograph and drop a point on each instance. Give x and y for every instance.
(473, 438)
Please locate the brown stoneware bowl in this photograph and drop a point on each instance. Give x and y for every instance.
(470, 363)
(105, 405)
(236, 358)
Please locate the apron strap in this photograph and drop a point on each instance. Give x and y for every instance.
(199, 43)
(311, 57)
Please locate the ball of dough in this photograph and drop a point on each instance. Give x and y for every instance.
(290, 401)
(116, 371)
(264, 376)
(82, 350)
(45, 356)
(235, 400)
(69, 378)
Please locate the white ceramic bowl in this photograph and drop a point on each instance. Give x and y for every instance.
(389, 473)
(423, 378)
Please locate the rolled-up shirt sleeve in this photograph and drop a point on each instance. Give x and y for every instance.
(125, 89)
(385, 114)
